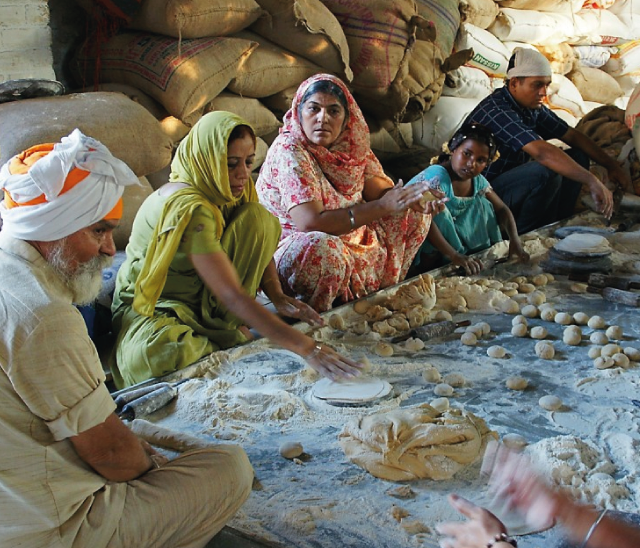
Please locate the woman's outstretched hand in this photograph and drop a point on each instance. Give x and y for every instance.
(401, 197)
(471, 266)
(326, 361)
(293, 308)
(481, 528)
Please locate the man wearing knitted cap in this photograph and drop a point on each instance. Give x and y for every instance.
(71, 473)
(538, 181)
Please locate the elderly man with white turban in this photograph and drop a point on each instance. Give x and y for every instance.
(538, 181)
(72, 474)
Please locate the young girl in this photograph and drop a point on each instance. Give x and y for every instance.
(474, 213)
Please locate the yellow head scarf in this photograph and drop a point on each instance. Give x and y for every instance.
(201, 162)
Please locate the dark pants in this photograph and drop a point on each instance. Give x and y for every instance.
(536, 195)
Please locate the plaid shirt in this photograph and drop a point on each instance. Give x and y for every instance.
(514, 127)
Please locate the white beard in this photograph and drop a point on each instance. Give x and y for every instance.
(85, 281)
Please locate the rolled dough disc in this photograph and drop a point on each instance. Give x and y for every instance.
(582, 244)
(351, 391)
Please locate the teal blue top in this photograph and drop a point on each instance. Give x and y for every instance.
(469, 224)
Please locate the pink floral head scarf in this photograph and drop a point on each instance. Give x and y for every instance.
(345, 161)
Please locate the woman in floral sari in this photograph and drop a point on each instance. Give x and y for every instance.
(346, 229)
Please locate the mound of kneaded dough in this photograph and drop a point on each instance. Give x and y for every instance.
(416, 443)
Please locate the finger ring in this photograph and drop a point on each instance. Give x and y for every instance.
(314, 353)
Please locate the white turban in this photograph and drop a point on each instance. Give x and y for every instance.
(529, 62)
(43, 203)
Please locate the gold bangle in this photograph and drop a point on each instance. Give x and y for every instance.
(352, 217)
(316, 350)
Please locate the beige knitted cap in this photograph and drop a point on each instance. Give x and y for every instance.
(529, 62)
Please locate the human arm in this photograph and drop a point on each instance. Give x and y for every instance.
(113, 451)
(389, 199)
(507, 224)
(437, 240)
(617, 174)
(513, 481)
(285, 305)
(558, 161)
(218, 273)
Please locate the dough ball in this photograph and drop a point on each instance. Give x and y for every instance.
(526, 288)
(632, 353)
(603, 362)
(510, 285)
(454, 379)
(486, 328)
(519, 319)
(476, 330)
(469, 338)
(615, 332)
(383, 349)
(413, 344)
(496, 351)
(443, 389)
(597, 322)
(578, 287)
(377, 313)
(516, 383)
(514, 441)
(540, 280)
(519, 330)
(360, 327)
(520, 298)
(510, 292)
(337, 322)
(621, 360)
(581, 318)
(598, 337)
(548, 314)
(545, 350)
(440, 404)
(519, 280)
(530, 311)
(510, 307)
(550, 277)
(571, 336)
(563, 318)
(443, 315)
(537, 298)
(609, 350)
(594, 352)
(431, 374)
(291, 449)
(550, 403)
(361, 307)
(538, 332)
(495, 284)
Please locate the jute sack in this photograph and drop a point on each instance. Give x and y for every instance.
(269, 69)
(126, 128)
(625, 59)
(480, 13)
(563, 94)
(600, 27)
(174, 128)
(595, 85)
(132, 199)
(309, 29)
(560, 57)
(195, 18)
(489, 53)
(445, 15)
(469, 82)
(183, 75)
(557, 6)
(280, 102)
(259, 117)
(261, 153)
(381, 35)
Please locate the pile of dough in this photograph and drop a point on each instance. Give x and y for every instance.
(421, 291)
(416, 443)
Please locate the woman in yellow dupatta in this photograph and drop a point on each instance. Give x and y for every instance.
(200, 248)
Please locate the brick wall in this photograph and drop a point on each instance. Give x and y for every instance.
(25, 40)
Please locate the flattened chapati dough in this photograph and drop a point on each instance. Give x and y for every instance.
(351, 391)
(416, 443)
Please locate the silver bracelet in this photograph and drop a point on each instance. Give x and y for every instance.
(316, 350)
(593, 528)
(503, 537)
(352, 217)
